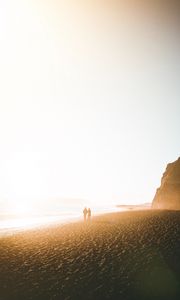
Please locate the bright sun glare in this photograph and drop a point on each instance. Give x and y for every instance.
(21, 207)
(82, 91)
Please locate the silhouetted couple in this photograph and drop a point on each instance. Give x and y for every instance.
(87, 214)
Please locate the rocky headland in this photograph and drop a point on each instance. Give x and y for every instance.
(168, 194)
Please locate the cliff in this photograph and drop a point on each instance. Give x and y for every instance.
(168, 194)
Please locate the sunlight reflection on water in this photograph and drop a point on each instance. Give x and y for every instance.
(10, 225)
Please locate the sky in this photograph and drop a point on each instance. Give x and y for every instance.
(89, 99)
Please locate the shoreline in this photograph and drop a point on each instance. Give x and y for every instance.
(21, 224)
(43, 222)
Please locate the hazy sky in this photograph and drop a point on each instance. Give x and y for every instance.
(89, 98)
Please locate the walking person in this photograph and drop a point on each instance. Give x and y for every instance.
(85, 211)
(89, 214)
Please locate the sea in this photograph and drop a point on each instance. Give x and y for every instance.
(11, 224)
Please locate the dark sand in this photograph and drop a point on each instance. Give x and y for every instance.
(129, 255)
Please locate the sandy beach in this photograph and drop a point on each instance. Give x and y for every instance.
(127, 255)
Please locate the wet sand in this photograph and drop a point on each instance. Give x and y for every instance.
(127, 255)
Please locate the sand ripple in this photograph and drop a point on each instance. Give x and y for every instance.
(130, 255)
